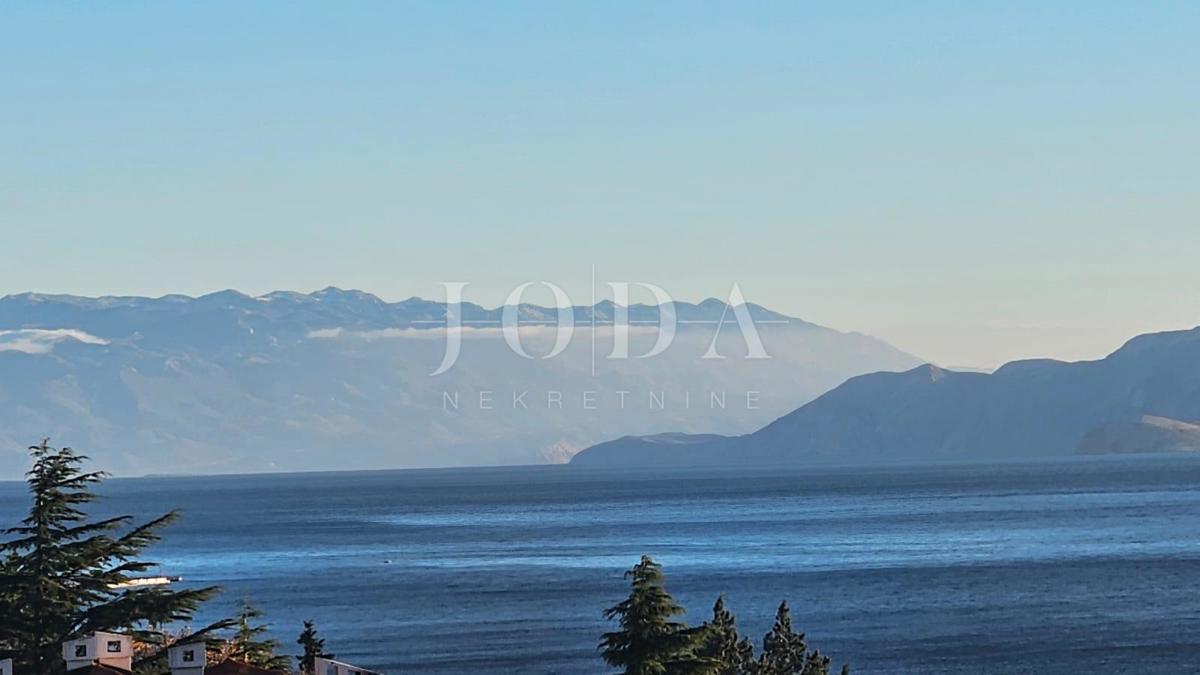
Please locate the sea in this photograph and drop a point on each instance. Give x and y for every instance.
(1082, 565)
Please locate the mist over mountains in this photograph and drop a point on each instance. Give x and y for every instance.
(1144, 397)
(342, 380)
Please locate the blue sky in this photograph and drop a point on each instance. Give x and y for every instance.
(974, 182)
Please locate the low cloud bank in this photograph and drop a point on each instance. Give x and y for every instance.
(41, 341)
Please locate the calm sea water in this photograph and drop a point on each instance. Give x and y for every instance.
(1089, 565)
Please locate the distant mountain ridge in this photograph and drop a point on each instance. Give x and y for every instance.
(341, 379)
(1144, 397)
(351, 309)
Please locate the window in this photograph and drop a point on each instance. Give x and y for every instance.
(81, 651)
(114, 646)
(189, 656)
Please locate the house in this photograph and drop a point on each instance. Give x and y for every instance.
(99, 654)
(112, 654)
(189, 659)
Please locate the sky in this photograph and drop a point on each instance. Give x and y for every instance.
(973, 182)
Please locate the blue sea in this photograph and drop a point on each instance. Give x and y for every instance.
(1072, 566)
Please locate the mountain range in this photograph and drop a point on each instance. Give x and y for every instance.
(1144, 397)
(341, 379)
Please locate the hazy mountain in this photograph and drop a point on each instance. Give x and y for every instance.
(341, 379)
(1145, 397)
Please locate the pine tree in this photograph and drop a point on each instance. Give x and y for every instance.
(62, 576)
(785, 652)
(721, 643)
(816, 663)
(649, 641)
(248, 644)
(314, 648)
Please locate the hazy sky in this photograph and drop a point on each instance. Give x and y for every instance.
(972, 181)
